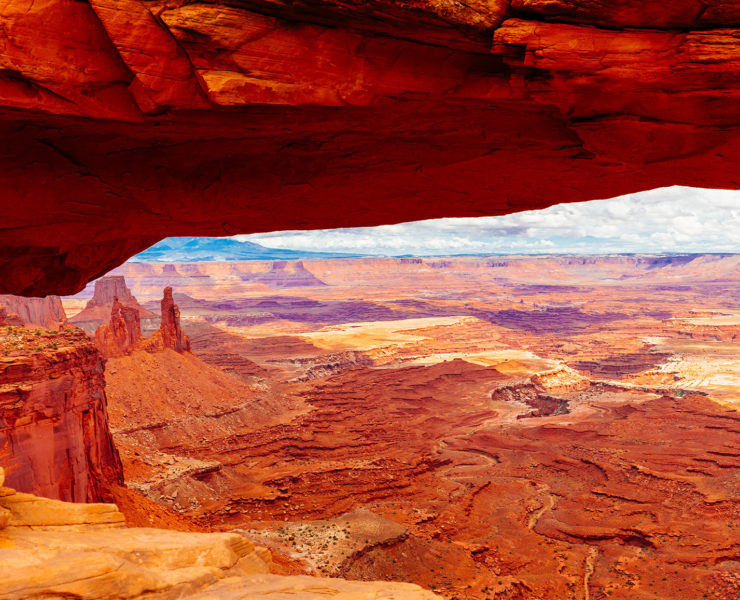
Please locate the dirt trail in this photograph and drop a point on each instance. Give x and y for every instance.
(535, 516)
(589, 565)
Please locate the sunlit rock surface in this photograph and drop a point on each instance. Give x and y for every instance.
(97, 310)
(52, 549)
(121, 335)
(170, 334)
(539, 426)
(54, 434)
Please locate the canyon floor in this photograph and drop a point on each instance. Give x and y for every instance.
(486, 427)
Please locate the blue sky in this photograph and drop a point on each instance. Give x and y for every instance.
(675, 219)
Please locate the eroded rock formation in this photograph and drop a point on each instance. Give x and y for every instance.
(125, 122)
(121, 335)
(170, 333)
(108, 291)
(54, 434)
(40, 539)
(9, 319)
(602, 465)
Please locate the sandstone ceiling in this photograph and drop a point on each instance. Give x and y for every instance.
(125, 121)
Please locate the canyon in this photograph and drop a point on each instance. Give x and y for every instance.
(484, 427)
(556, 427)
(129, 121)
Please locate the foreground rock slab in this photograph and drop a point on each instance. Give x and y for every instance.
(53, 549)
(276, 587)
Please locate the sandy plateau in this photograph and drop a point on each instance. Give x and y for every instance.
(542, 428)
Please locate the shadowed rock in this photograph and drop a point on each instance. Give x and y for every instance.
(127, 122)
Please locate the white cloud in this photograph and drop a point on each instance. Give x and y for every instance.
(675, 219)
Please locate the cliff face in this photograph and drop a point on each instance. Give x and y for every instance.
(54, 431)
(128, 121)
(45, 312)
(9, 319)
(112, 289)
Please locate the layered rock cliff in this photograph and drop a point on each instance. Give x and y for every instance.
(54, 432)
(9, 319)
(45, 312)
(127, 121)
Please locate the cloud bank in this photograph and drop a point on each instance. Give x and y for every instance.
(675, 219)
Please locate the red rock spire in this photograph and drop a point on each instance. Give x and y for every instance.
(172, 334)
(122, 334)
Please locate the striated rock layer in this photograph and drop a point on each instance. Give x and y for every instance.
(125, 122)
(33, 312)
(54, 434)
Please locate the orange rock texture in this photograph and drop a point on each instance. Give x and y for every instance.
(122, 334)
(9, 319)
(107, 292)
(45, 312)
(527, 428)
(54, 433)
(170, 334)
(128, 121)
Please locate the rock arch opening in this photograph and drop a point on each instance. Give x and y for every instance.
(538, 426)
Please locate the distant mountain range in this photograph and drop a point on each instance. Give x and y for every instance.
(204, 249)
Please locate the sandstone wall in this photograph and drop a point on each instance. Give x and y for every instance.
(54, 434)
(40, 312)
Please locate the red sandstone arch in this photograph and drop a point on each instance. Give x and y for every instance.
(126, 121)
